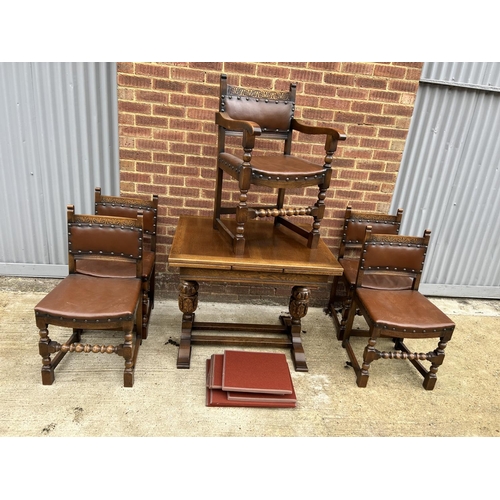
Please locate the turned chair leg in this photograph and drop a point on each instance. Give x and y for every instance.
(430, 378)
(370, 354)
(127, 353)
(44, 350)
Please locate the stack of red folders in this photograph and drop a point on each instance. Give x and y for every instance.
(249, 378)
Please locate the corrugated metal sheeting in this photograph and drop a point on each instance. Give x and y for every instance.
(58, 140)
(449, 178)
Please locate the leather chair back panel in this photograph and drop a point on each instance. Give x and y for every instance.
(356, 230)
(95, 240)
(272, 116)
(394, 257)
(148, 215)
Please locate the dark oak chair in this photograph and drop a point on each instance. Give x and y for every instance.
(118, 206)
(355, 223)
(396, 314)
(84, 302)
(267, 114)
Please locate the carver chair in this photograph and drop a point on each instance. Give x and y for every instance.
(128, 207)
(355, 223)
(396, 314)
(267, 114)
(82, 302)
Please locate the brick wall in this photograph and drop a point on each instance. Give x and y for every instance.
(168, 140)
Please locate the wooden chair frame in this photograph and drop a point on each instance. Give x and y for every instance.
(414, 317)
(120, 206)
(264, 114)
(68, 304)
(353, 234)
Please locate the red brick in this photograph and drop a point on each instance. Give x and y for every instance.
(187, 74)
(417, 65)
(135, 131)
(352, 93)
(185, 148)
(134, 107)
(210, 66)
(152, 121)
(403, 86)
(366, 107)
(183, 192)
(154, 70)
(325, 66)
(371, 83)
(151, 189)
(386, 155)
(150, 144)
(333, 103)
(389, 71)
(180, 124)
(255, 82)
(382, 177)
(378, 120)
(186, 100)
(358, 68)
(361, 131)
(368, 142)
(182, 171)
(169, 85)
(334, 80)
(385, 96)
(144, 95)
(343, 117)
(274, 71)
(203, 89)
(317, 114)
(393, 133)
(239, 68)
(150, 168)
(169, 158)
(134, 81)
(305, 75)
(134, 177)
(391, 109)
(125, 67)
(128, 154)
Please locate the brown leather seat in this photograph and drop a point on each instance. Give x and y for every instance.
(267, 114)
(355, 223)
(396, 314)
(82, 302)
(66, 299)
(119, 206)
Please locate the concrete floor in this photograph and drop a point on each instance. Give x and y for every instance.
(88, 398)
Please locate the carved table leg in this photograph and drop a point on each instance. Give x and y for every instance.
(298, 306)
(188, 302)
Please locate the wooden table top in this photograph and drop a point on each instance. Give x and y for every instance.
(268, 248)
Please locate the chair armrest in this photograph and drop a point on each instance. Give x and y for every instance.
(312, 129)
(224, 120)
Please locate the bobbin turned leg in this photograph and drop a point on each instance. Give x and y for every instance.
(128, 354)
(44, 350)
(370, 354)
(430, 378)
(188, 303)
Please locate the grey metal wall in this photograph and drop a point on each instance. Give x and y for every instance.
(58, 140)
(449, 179)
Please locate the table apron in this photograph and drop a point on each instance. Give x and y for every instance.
(259, 277)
